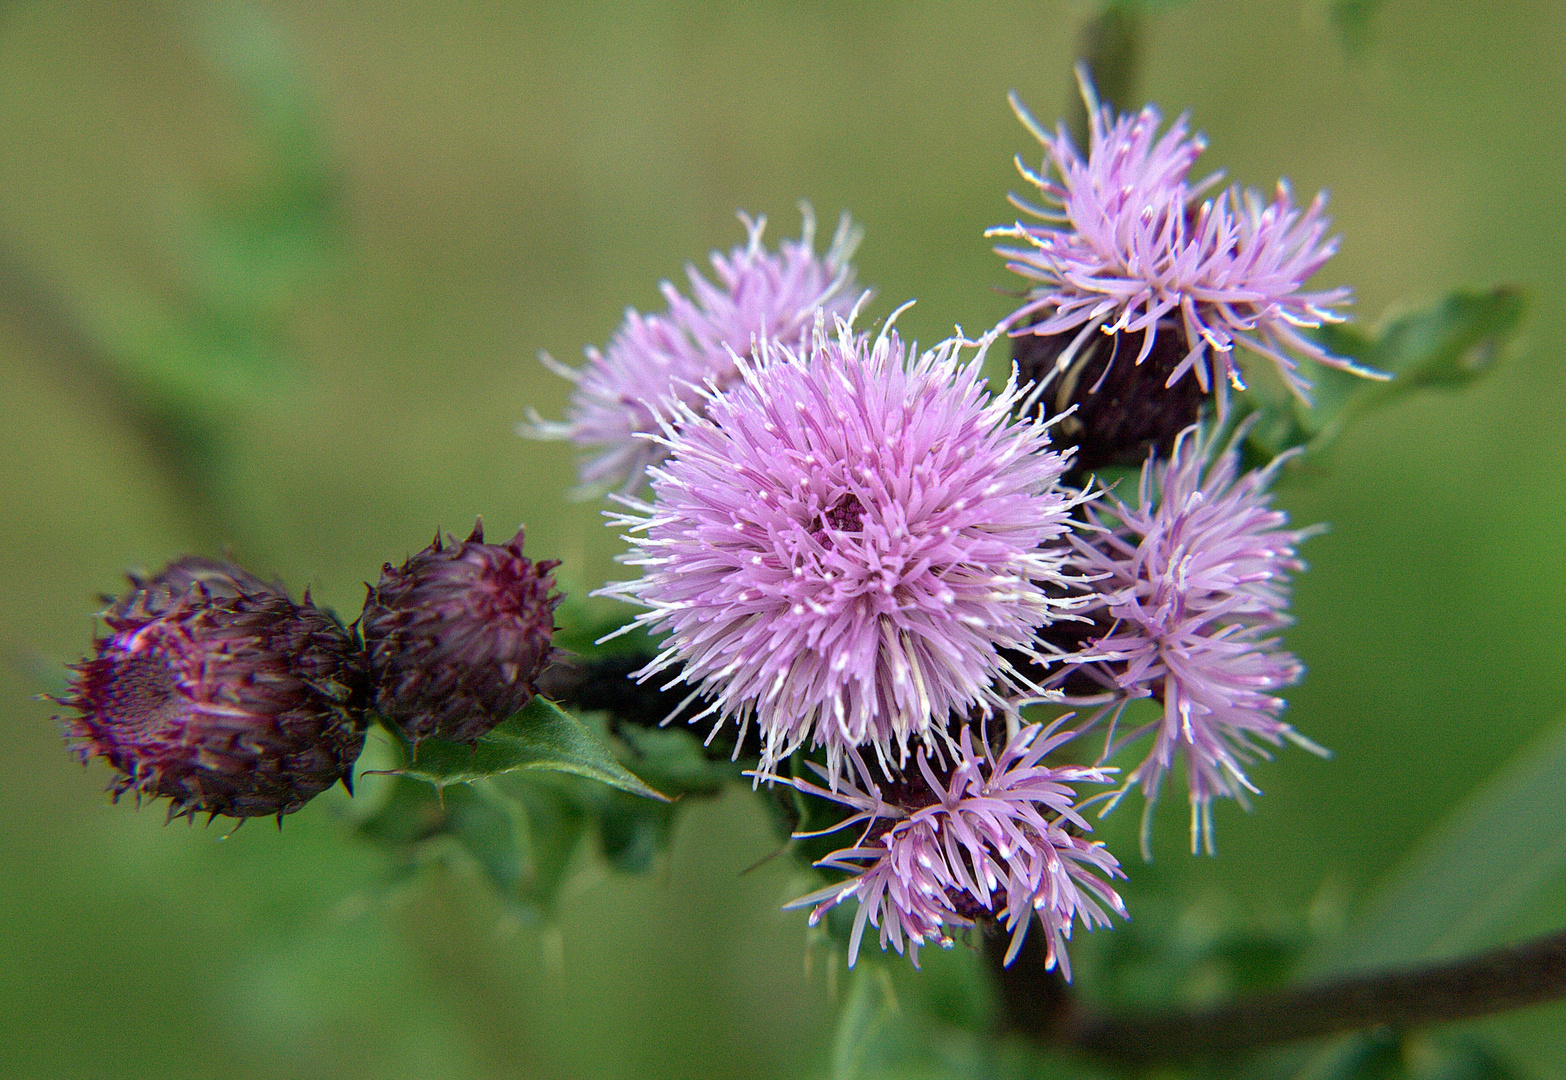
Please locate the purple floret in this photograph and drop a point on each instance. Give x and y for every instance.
(1193, 586)
(1128, 244)
(988, 840)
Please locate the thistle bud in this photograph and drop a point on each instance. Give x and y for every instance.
(217, 691)
(457, 636)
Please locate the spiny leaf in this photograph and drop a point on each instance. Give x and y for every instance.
(542, 736)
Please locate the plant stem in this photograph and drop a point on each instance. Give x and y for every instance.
(1509, 978)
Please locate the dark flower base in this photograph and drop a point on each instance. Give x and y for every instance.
(1122, 415)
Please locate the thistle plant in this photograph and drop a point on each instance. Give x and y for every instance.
(940, 623)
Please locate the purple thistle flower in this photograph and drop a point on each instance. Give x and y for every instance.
(654, 361)
(1127, 247)
(841, 546)
(990, 840)
(215, 690)
(1192, 585)
(457, 635)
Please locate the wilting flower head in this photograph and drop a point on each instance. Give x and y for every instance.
(457, 635)
(217, 691)
(1194, 584)
(842, 544)
(987, 840)
(1129, 246)
(654, 361)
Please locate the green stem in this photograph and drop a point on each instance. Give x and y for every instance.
(1513, 977)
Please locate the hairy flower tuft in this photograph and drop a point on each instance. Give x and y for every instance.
(215, 690)
(988, 840)
(842, 542)
(1193, 584)
(1129, 246)
(655, 361)
(458, 634)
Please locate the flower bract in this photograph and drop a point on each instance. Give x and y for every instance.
(457, 635)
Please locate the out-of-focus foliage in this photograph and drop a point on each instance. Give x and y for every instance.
(1449, 346)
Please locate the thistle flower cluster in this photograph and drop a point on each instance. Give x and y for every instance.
(855, 547)
(658, 364)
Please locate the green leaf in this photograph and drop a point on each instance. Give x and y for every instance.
(416, 822)
(553, 822)
(1471, 873)
(673, 760)
(1448, 345)
(870, 1005)
(542, 736)
(633, 831)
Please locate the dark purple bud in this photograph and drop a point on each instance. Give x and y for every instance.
(1124, 409)
(217, 691)
(457, 636)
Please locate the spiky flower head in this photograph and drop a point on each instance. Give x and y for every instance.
(457, 635)
(655, 361)
(1193, 585)
(843, 541)
(217, 691)
(987, 840)
(1130, 246)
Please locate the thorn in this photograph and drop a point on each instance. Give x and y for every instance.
(477, 535)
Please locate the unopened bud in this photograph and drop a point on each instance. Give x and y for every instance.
(458, 635)
(217, 691)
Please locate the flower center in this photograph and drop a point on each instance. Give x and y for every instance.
(847, 515)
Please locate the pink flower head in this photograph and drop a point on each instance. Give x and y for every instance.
(1129, 245)
(842, 542)
(1194, 582)
(989, 839)
(654, 361)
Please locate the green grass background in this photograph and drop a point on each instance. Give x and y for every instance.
(511, 177)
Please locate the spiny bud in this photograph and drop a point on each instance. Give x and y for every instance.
(1124, 409)
(217, 691)
(457, 636)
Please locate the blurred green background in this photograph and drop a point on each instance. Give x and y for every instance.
(343, 231)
